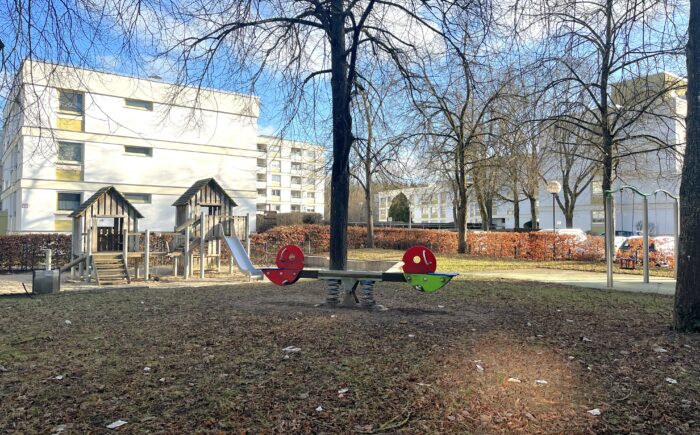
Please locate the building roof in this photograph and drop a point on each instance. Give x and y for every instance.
(107, 189)
(196, 187)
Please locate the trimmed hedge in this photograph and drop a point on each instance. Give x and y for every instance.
(26, 251)
(530, 246)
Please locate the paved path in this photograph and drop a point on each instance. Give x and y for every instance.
(597, 280)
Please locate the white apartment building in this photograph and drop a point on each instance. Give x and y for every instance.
(290, 176)
(68, 131)
(434, 205)
(647, 172)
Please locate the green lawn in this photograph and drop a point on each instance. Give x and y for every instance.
(211, 360)
(467, 263)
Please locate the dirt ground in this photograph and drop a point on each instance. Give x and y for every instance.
(477, 357)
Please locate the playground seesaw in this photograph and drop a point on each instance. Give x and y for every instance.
(418, 270)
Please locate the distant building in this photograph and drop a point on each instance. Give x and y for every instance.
(289, 176)
(69, 131)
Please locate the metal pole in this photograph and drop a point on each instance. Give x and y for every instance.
(201, 245)
(247, 234)
(645, 237)
(554, 228)
(146, 255)
(676, 231)
(48, 259)
(609, 239)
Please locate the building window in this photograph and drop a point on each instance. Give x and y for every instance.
(138, 151)
(276, 192)
(276, 207)
(311, 209)
(296, 153)
(262, 148)
(597, 187)
(70, 152)
(70, 102)
(68, 201)
(262, 192)
(260, 207)
(138, 198)
(296, 180)
(138, 104)
(310, 154)
(296, 194)
(277, 178)
(296, 166)
(296, 208)
(311, 195)
(274, 149)
(275, 165)
(262, 177)
(598, 217)
(262, 163)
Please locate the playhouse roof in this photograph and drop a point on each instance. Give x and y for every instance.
(197, 186)
(97, 195)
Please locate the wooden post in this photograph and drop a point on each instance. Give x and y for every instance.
(89, 255)
(174, 266)
(186, 255)
(48, 259)
(201, 246)
(218, 255)
(146, 252)
(125, 248)
(230, 265)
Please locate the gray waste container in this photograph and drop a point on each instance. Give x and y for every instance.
(46, 281)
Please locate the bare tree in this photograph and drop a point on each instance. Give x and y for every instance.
(686, 313)
(454, 93)
(376, 148)
(570, 162)
(611, 48)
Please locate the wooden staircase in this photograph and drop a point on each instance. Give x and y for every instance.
(110, 268)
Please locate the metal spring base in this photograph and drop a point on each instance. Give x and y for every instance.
(333, 288)
(367, 298)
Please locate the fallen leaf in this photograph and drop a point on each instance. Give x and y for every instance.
(594, 411)
(116, 424)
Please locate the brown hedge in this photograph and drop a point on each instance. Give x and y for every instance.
(27, 251)
(530, 246)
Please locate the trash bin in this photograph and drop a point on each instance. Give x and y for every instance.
(46, 281)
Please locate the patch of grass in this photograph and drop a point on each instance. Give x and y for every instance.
(433, 363)
(466, 263)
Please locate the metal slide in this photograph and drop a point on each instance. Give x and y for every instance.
(241, 257)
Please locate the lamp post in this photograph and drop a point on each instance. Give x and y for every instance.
(554, 187)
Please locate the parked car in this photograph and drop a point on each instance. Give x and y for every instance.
(661, 250)
(579, 235)
(621, 236)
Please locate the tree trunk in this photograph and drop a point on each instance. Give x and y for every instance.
(370, 216)
(516, 213)
(342, 139)
(533, 212)
(686, 313)
(569, 217)
(368, 177)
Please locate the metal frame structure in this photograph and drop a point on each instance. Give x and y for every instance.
(610, 230)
